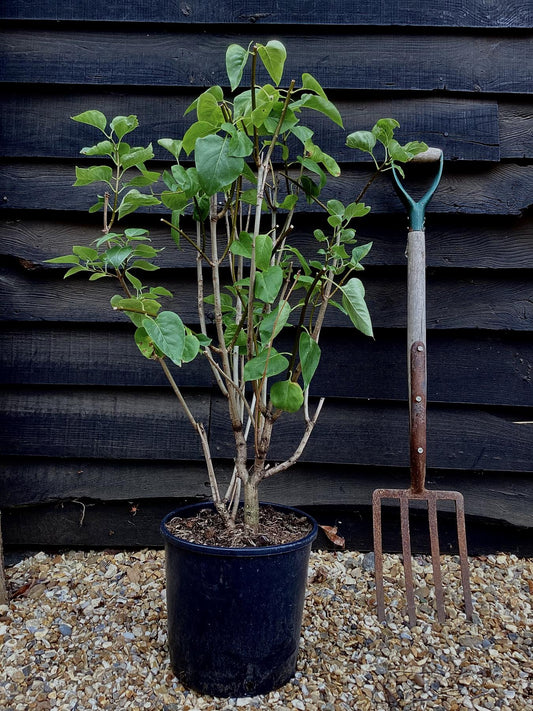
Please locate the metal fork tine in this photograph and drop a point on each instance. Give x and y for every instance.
(463, 554)
(435, 556)
(407, 562)
(378, 555)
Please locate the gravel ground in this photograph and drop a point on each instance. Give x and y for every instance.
(86, 630)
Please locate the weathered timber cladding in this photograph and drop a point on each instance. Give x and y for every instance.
(87, 426)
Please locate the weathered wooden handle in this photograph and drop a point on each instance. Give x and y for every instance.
(417, 417)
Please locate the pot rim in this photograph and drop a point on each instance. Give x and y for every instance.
(242, 552)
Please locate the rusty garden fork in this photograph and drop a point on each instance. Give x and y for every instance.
(417, 369)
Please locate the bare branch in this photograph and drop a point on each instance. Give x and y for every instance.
(299, 450)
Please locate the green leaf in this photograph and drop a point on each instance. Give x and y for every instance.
(161, 291)
(94, 174)
(65, 259)
(133, 200)
(268, 283)
(413, 148)
(147, 177)
(122, 125)
(135, 309)
(335, 220)
(240, 145)
(318, 155)
(274, 322)
(116, 256)
(383, 130)
(95, 276)
(309, 82)
(314, 168)
(172, 146)
(335, 207)
(174, 201)
(353, 301)
(144, 343)
(144, 265)
(242, 246)
(309, 352)
(87, 253)
(92, 118)
(74, 270)
(268, 363)
(231, 331)
(236, 58)
(287, 396)
(359, 253)
(356, 209)
(168, 334)
(216, 167)
(208, 110)
(191, 348)
(263, 251)
(187, 180)
(362, 141)
(136, 283)
(273, 56)
(217, 93)
(104, 148)
(137, 156)
(302, 133)
(145, 251)
(97, 206)
(289, 202)
(324, 106)
(136, 233)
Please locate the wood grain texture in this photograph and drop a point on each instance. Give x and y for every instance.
(516, 129)
(502, 189)
(463, 129)
(349, 60)
(452, 13)
(494, 495)
(476, 299)
(454, 242)
(92, 422)
(111, 525)
(458, 363)
(82, 422)
(363, 434)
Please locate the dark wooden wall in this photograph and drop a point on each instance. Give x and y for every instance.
(94, 447)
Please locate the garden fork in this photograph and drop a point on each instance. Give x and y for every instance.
(416, 341)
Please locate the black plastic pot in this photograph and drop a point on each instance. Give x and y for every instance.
(234, 614)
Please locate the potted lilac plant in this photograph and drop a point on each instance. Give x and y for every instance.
(240, 171)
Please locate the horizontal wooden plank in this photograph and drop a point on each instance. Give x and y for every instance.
(502, 496)
(79, 422)
(97, 355)
(463, 129)
(58, 354)
(451, 241)
(516, 129)
(101, 423)
(371, 434)
(502, 189)
(452, 13)
(389, 61)
(113, 525)
(464, 300)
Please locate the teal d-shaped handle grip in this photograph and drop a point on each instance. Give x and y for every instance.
(417, 210)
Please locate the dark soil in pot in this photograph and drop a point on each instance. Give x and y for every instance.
(276, 526)
(235, 613)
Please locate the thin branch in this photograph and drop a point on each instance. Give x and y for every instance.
(189, 240)
(299, 450)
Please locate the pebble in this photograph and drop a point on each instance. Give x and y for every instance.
(87, 630)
